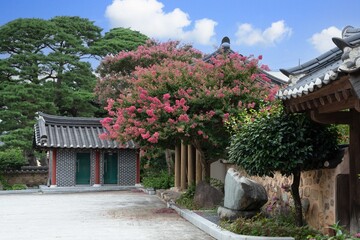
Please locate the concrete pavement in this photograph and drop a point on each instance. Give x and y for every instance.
(120, 215)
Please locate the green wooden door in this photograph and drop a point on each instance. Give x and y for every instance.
(83, 168)
(110, 168)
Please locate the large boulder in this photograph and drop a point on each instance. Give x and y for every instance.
(207, 196)
(243, 194)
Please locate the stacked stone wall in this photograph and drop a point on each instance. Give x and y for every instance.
(31, 176)
(317, 192)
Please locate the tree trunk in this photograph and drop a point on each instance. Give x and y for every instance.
(205, 166)
(296, 196)
(205, 162)
(169, 161)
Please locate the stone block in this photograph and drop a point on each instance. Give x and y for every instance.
(314, 194)
(207, 196)
(243, 194)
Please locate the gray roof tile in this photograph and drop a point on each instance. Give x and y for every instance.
(73, 132)
(320, 71)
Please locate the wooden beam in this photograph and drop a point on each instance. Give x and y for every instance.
(345, 94)
(337, 106)
(337, 96)
(296, 108)
(328, 97)
(308, 104)
(322, 101)
(198, 168)
(291, 108)
(53, 168)
(316, 103)
(303, 106)
(183, 159)
(355, 83)
(97, 169)
(190, 165)
(177, 166)
(331, 118)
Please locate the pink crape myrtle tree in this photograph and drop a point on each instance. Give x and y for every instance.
(176, 100)
(116, 72)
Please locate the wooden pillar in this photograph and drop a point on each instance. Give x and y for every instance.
(198, 167)
(354, 165)
(183, 166)
(53, 169)
(137, 167)
(97, 169)
(190, 164)
(177, 166)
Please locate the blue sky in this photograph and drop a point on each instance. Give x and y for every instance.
(284, 32)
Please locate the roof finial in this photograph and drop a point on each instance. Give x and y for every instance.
(225, 43)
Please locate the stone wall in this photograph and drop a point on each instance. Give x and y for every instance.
(317, 191)
(31, 176)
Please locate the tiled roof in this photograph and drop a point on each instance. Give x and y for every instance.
(330, 66)
(225, 48)
(72, 132)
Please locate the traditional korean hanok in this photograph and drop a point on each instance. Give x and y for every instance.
(78, 157)
(328, 89)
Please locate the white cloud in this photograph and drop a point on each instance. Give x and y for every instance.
(322, 41)
(148, 17)
(248, 35)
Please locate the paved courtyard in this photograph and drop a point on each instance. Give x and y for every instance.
(116, 215)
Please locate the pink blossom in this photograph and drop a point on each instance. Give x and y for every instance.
(155, 100)
(168, 109)
(166, 96)
(104, 136)
(182, 102)
(251, 105)
(172, 121)
(146, 135)
(184, 118)
(226, 116)
(150, 112)
(141, 130)
(221, 95)
(185, 108)
(265, 67)
(142, 96)
(106, 120)
(151, 120)
(131, 109)
(200, 132)
(153, 140)
(211, 113)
